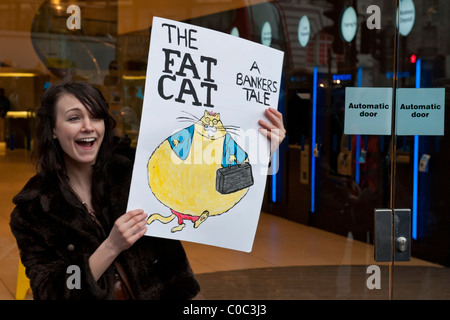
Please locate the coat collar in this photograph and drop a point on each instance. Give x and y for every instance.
(46, 198)
(120, 170)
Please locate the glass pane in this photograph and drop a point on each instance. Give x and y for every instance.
(329, 180)
(421, 168)
(316, 229)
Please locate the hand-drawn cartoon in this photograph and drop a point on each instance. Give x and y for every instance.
(199, 171)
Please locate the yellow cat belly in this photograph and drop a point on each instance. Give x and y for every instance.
(189, 186)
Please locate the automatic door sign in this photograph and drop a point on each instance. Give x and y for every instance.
(420, 111)
(368, 111)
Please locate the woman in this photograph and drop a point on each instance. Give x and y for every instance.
(70, 215)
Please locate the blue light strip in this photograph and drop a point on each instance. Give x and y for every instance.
(313, 141)
(276, 154)
(415, 186)
(274, 176)
(358, 138)
(360, 70)
(358, 155)
(418, 75)
(416, 163)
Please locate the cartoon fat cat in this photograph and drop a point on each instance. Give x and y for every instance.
(183, 168)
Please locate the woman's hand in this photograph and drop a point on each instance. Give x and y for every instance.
(127, 229)
(274, 131)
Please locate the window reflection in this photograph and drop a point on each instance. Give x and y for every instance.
(111, 50)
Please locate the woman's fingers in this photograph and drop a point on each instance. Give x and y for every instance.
(276, 122)
(274, 116)
(133, 216)
(137, 219)
(138, 226)
(131, 226)
(273, 130)
(137, 235)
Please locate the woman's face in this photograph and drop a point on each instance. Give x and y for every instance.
(79, 134)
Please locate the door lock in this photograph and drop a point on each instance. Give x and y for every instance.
(392, 235)
(402, 234)
(402, 244)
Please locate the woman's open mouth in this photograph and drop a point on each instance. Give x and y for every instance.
(85, 143)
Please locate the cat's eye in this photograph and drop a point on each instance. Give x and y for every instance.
(215, 121)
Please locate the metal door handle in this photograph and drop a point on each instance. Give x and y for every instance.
(392, 229)
(402, 244)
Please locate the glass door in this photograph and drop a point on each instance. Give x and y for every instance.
(422, 146)
(373, 61)
(335, 171)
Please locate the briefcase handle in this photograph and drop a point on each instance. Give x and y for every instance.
(237, 164)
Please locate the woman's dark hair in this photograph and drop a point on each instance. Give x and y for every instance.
(48, 153)
(50, 156)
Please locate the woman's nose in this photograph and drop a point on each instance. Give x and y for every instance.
(87, 125)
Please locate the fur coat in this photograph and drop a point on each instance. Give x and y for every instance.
(54, 233)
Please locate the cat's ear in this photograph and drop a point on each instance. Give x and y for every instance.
(205, 114)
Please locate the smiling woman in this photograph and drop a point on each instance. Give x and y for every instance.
(79, 133)
(71, 111)
(73, 211)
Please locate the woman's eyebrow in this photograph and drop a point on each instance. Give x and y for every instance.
(72, 109)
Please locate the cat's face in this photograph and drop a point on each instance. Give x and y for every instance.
(210, 126)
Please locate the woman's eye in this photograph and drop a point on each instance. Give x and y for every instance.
(73, 118)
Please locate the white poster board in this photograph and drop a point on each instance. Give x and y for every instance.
(204, 93)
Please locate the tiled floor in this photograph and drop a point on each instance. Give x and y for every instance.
(282, 249)
(15, 170)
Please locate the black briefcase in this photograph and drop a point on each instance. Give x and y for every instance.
(234, 178)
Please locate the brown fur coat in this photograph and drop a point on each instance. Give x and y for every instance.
(54, 232)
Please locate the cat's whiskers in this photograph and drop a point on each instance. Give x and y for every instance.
(229, 128)
(194, 116)
(188, 121)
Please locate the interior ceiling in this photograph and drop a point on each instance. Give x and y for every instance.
(132, 15)
(135, 15)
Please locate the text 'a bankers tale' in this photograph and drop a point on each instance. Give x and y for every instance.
(182, 71)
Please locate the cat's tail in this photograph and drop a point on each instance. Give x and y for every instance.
(157, 216)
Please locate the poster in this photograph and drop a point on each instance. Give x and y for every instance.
(201, 164)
